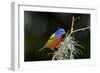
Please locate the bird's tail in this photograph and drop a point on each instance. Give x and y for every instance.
(41, 49)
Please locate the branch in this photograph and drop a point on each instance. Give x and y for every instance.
(72, 23)
(73, 31)
(82, 29)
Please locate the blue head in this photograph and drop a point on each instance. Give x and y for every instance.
(59, 32)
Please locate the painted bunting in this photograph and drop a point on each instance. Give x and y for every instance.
(54, 39)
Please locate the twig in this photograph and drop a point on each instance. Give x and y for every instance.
(82, 29)
(72, 23)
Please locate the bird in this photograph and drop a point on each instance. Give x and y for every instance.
(54, 39)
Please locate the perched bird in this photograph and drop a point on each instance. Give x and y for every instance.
(54, 39)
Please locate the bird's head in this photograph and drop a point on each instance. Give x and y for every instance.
(60, 32)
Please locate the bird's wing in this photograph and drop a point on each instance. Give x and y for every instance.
(52, 37)
(50, 40)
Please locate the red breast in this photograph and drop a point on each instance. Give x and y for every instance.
(55, 43)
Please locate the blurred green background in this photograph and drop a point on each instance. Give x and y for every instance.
(39, 26)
